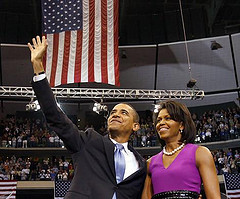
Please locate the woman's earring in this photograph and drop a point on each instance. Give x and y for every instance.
(181, 131)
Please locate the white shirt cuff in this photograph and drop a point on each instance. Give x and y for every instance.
(39, 77)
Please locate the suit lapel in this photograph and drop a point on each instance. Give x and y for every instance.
(109, 149)
(140, 159)
(141, 162)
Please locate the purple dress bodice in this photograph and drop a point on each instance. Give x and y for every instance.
(182, 173)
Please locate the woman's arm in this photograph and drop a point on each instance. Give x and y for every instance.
(207, 169)
(147, 192)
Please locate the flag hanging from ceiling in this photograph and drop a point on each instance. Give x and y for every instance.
(82, 41)
(8, 189)
(232, 185)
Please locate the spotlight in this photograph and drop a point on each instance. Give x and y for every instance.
(215, 45)
(191, 83)
(99, 108)
(124, 55)
(156, 108)
(33, 106)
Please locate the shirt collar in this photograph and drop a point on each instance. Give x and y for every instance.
(125, 144)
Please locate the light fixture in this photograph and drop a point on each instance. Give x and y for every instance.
(124, 55)
(99, 108)
(192, 82)
(215, 45)
(33, 106)
(156, 108)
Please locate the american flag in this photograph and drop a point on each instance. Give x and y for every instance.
(8, 189)
(82, 41)
(232, 185)
(61, 188)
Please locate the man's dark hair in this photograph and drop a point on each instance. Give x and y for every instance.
(135, 116)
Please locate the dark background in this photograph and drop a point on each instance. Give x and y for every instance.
(140, 21)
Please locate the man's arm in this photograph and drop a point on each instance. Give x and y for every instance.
(56, 119)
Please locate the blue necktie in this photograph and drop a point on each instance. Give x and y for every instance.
(119, 161)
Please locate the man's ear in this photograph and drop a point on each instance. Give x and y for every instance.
(136, 126)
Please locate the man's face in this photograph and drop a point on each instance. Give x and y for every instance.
(121, 119)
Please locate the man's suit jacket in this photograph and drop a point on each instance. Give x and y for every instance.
(92, 154)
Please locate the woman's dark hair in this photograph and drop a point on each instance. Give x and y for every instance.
(179, 113)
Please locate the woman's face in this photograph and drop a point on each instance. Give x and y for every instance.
(168, 128)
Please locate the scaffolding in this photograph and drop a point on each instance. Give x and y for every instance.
(92, 93)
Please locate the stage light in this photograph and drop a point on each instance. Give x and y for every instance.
(215, 45)
(156, 108)
(124, 55)
(99, 108)
(191, 83)
(33, 106)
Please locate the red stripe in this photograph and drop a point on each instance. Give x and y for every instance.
(78, 58)
(66, 57)
(91, 40)
(232, 194)
(116, 58)
(54, 58)
(44, 57)
(104, 70)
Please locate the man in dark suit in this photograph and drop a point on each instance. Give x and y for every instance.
(92, 154)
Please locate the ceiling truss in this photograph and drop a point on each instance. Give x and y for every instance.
(91, 93)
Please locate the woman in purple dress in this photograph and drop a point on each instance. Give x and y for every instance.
(181, 167)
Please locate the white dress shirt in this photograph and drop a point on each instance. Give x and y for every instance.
(39, 77)
(131, 162)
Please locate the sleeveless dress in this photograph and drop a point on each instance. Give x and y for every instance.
(181, 174)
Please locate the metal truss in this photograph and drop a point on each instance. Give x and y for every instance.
(91, 93)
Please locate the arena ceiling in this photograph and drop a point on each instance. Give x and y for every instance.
(141, 21)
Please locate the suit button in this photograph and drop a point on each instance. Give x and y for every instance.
(115, 188)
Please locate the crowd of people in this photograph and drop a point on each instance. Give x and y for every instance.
(227, 161)
(211, 126)
(24, 133)
(29, 168)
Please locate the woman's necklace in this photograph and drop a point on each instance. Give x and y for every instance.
(174, 151)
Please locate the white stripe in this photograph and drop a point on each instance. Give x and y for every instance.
(8, 187)
(7, 183)
(58, 75)
(233, 191)
(97, 43)
(11, 197)
(110, 42)
(49, 56)
(72, 56)
(7, 192)
(234, 196)
(85, 42)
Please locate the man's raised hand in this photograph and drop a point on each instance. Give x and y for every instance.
(37, 51)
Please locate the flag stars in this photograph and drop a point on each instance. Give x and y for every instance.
(61, 16)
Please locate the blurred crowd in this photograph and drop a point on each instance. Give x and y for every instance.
(31, 169)
(211, 126)
(227, 161)
(24, 133)
(218, 125)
